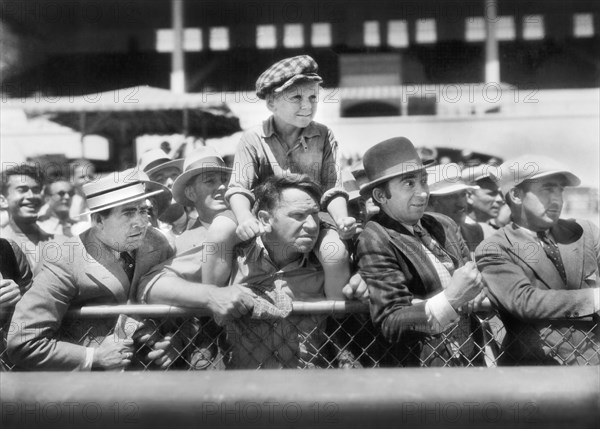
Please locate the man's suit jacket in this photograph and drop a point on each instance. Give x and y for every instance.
(547, 321)
(80, 271)
(393, 263)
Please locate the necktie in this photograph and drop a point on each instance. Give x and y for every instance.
(433, 247)
(553, 254)
(128, 264)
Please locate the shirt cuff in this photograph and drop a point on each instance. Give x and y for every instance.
(597, 300)
(332, 193)
(89, 359)
(440, 314)
(239, 190)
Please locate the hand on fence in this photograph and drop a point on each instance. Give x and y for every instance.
(164, 352)
(474, 305)
(231, 302)
(356, 288)
(465, 285)
(10, 293)
(113, 353)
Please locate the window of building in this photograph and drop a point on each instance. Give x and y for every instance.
(475, 29)
(371, 33)
(583, 25)
(426, 31)
(505, 28)
(293, 36)
(320, 35)
(266, 37)
(219, 38)
(397, 34)
(192, 40)
(533, 27)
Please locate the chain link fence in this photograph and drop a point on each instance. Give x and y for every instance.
(328, 334)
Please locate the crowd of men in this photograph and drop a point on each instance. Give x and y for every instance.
(425, 245)
(430, 248)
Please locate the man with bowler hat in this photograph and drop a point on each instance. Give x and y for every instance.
(103, 265)
(542, 271)
(421, 282)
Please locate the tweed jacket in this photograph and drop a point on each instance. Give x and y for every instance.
(547, 321)
(393, 263)
(81, 271)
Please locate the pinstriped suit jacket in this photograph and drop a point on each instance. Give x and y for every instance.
(392, 262)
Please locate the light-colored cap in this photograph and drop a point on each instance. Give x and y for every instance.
(155, 160)
(201, 160)
(475, 173)
(530, 167)
(446, 179)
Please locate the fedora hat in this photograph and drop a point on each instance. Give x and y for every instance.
(446, 179)
(201, 160)
(528, 168)
(155, 160)
(121, 188)
(388, 159)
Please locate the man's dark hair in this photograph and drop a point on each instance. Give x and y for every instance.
(30, 170)
(102, 214)
(53, 180)
(269, 192)
(385, 187)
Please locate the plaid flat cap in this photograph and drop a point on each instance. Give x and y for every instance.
(284, 73)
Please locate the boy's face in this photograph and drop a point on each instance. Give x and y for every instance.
(24, 198)
(296, 105)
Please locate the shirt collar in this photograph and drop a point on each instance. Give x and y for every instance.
(300, 262)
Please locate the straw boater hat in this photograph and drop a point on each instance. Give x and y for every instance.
(388, 159)
(529, 168)
(203, 159)
(446, 179)
(155, 160)
(124, 187)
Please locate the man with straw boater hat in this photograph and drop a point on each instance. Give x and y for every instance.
(416, 265)
(101, 266)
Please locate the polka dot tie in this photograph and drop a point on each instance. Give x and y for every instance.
(553, 253)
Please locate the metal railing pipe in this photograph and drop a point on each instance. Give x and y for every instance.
(516, 397)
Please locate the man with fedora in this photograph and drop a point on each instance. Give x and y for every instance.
(178, 281)
(164, 170)
(416, 265)
(201, 186)
(542, 271)
(484, 199)
(102, 265)
(448, 196)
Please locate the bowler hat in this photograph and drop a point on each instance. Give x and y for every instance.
(122, 188)
(530, 167)
(203, 159)
(446, 179)
(155, 160)
(388, 159)
(284, 73)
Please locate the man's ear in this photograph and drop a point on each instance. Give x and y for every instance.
(266, 219)
(3, 202)
(470, 198)
(515, 195)
(379, 195)
(189, 193)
